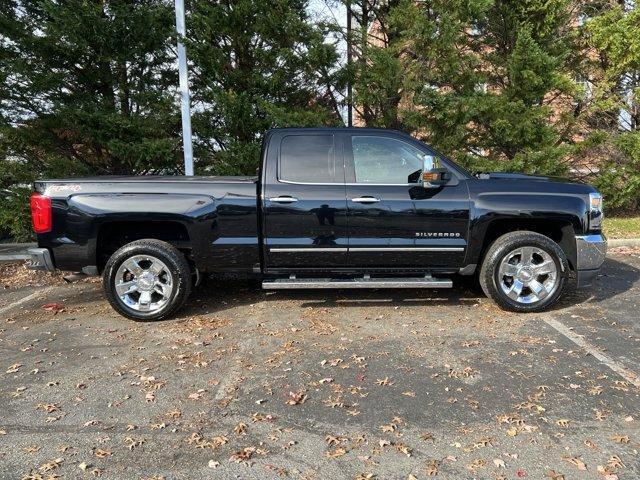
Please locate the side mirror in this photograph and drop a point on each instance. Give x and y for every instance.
(435, 178)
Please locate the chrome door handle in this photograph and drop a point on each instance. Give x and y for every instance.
(283, 199)
(365, 200)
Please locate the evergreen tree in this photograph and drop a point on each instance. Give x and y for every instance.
(478, 79)
(86, 87)
(379, 72)
(89, 82)
(614, 35)
(256, 65)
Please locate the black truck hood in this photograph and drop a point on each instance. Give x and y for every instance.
(514, 182)
(522, 176)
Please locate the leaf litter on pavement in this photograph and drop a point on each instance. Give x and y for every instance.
(270, 382)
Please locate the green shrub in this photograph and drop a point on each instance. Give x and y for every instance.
(619, 176)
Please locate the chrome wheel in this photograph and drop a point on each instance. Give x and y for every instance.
(528, 275)
(144, 283)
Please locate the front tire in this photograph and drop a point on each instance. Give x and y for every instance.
(524, 272)
(147, 280)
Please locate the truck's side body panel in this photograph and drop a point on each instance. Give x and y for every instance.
(219, 217)
(288, 222)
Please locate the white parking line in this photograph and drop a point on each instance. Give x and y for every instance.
(617, 367)
(28, 298)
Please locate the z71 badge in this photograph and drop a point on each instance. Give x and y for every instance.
(437, 234)
(64, 188)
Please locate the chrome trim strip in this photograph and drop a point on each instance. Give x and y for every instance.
(310, 183)
(368, 249)
(352, 184)
(406, 249)
(307, 249)
(363, 184)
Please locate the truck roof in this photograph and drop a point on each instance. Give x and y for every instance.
(336, 129)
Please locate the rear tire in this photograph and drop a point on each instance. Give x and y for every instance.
(524, 272)
(147, 280)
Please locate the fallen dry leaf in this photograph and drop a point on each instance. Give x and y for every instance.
(243, 455)
(51, 465)
(240, 429)
(606, 473)
(580, 465)
(338, 452)
(14, 368)
(554, 475)
(53, 307)
(100, 453)
(47, 407)
(620, 438)
(432, 468)
(296, 398)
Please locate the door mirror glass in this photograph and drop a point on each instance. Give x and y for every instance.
(429, 163)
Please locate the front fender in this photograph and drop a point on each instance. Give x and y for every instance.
(566, 212)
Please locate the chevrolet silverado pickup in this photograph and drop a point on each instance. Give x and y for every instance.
(329, 208)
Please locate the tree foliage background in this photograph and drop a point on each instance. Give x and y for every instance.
(542, 86)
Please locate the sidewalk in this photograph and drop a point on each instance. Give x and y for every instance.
(623, 242)
(14, 251)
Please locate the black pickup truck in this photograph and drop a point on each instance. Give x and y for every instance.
(329, 208)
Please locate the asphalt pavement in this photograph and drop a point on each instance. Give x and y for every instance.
(251, 384)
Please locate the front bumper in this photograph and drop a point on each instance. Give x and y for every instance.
(591, 251)
(40, 260)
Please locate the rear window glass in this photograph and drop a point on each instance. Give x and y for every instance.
(308, 159)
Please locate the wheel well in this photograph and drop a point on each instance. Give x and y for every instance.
(559, 231)
(113, 235)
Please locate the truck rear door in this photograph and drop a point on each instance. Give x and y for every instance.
(304, 201)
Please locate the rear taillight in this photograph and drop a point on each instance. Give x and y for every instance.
(41, 213)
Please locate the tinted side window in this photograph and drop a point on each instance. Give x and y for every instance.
(385, 160)
(308, 158)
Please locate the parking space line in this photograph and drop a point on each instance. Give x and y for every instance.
(26, 299)
(617, 367)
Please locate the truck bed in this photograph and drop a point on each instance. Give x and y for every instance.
(214, 218)
(156, 178)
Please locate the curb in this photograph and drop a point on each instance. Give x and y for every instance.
(624, 242)
(10, 252)
(13, 258)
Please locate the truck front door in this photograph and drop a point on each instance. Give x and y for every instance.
(304, 202)
(394, 222)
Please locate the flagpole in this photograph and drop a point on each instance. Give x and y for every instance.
(349, 61)
(184, 90)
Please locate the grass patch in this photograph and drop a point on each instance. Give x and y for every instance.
(622, 227)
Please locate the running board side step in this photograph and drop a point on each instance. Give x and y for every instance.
(411, 282)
